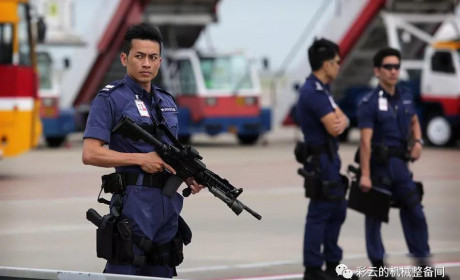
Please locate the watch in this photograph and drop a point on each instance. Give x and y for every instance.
(420, 141)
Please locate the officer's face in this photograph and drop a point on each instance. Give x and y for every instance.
(388, 72)
(143, 61)
(332, 67)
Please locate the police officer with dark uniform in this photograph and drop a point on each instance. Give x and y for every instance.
(321, 121)
(151, 214)
(388, 122)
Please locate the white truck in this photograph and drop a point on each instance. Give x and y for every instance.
(216, 93)
(440, 93)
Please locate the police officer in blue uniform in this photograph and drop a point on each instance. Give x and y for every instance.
(151, 214)
(321, 121)
(388, 122)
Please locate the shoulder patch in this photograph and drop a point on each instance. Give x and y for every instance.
(406, 92)
(110, 87)
(367, 97)
(318, 86)
(162, 90)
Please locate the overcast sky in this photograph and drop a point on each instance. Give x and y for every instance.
(261, 28)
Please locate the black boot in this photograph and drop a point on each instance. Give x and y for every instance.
(379, 264)
(315, 273)
(330, 270)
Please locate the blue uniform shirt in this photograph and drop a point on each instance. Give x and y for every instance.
(124, 98)
(315, 101)
(388, 116)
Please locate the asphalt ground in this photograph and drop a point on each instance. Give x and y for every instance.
(44, 195)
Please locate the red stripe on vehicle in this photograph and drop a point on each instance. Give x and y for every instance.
(228, 106)
(450, 104)
(17, 81)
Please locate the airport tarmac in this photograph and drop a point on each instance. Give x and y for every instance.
(44, 195)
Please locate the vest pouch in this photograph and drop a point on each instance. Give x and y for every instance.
(122, 243)
(104, 238)
(301, 152)
(113, 243)
(177, 253)
(112, 183)
(332, 191)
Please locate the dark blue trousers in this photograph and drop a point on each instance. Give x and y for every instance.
(411, 213)
(322, 228)
(153, 215)
(324, 219)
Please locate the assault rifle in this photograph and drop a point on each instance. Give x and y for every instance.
(187, 163)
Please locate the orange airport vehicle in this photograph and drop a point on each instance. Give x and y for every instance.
(20, 126)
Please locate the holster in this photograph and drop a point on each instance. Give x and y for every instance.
(411, 199)
(301, 152)
(318, 189)
(114, 241)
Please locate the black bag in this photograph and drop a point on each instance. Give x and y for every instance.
(375, 203)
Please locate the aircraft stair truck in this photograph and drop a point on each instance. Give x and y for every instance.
(216, 93)
(440, 93)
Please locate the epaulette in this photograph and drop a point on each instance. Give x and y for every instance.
(164, 91)
(366, 97)
(318, 87)
(405, 90)
(111, 86)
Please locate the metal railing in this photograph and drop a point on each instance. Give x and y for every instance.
(19, 273)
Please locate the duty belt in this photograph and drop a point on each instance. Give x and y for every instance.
(317, 150)
(391, 152)
(157, 180)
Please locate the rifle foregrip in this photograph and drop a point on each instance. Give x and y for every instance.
(186, 192)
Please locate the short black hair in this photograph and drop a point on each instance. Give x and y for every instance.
(320, 51)
(382, 53)
(143, 31)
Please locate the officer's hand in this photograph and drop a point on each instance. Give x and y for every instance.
(194, 186)
(416, 151)
(153, 163)
(339, 125)
(365, 183)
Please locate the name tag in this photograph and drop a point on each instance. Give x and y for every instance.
(383, 104)
(141, 108)
(168, 109)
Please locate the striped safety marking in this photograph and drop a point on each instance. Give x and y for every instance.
(20, 103)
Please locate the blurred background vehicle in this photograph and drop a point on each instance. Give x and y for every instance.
(20, 126)
(427, 33)
(220, 90)
(215, 92)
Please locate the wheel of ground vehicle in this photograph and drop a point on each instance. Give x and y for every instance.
(438, 131)
(248, 139)
(55, 142)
